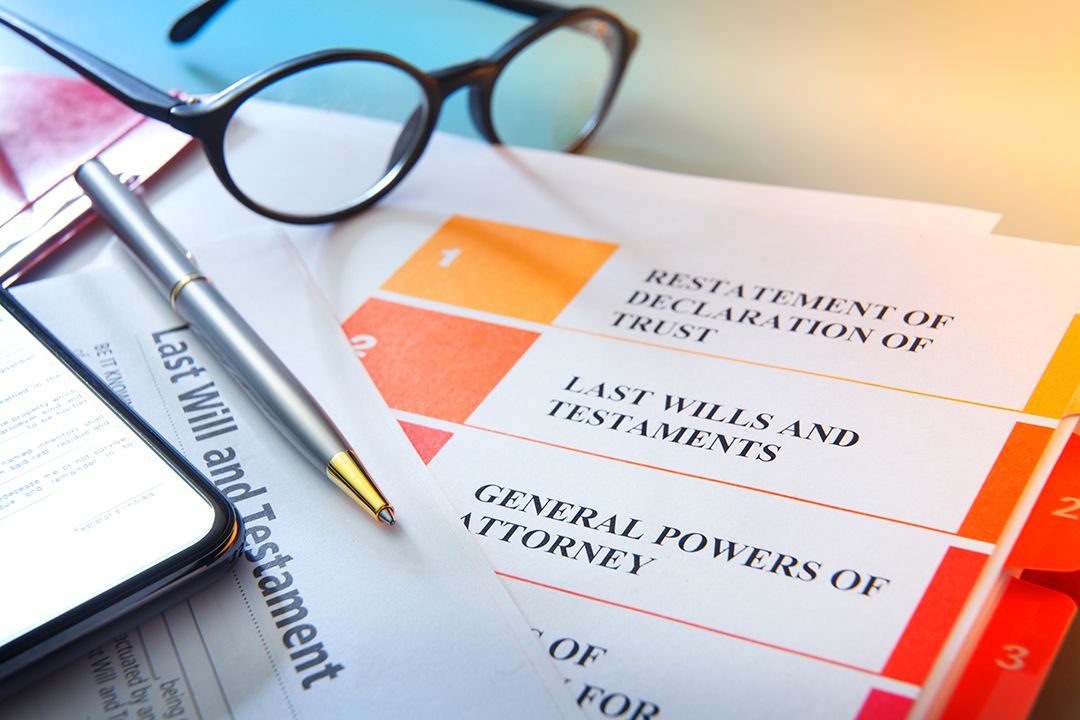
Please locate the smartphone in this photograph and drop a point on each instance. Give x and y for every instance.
(99, 516)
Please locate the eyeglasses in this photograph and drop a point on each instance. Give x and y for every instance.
(324, 136)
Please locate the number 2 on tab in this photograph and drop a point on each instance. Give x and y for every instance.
(449, 255)
(361, 344)
(1072, 506)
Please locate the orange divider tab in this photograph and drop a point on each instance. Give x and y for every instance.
(881, 705)
(934, 617)
(1013, 656)
(502, 269)
(1061, 377)
(1051, 538)
(430, 363)
(1005, 482)
(428, 441)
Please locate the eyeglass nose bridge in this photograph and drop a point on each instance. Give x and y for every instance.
(479, 77)
(471, 74)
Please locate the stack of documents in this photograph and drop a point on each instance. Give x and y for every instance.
(733, 450)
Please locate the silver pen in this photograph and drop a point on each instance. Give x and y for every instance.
(265, 378)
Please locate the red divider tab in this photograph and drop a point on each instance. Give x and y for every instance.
(933, 618)
(1066, 583)
(430, 363)
(1012, 658)
(426, 440)
(881, 705)
(1051, 538)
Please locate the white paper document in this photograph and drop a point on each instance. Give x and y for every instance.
(328, 614)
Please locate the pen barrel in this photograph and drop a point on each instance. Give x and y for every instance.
(276, 391)
(163, 258)
(263, 376)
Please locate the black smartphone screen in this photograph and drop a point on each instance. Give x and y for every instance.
(94, 508)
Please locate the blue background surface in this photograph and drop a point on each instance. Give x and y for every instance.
(967, 102)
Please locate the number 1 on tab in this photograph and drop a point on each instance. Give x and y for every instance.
(449, 255)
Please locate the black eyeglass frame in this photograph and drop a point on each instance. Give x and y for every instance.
(207, 120)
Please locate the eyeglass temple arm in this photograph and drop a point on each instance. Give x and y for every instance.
(189, 25)
(532, 8)
(191, 22)
(126, 88)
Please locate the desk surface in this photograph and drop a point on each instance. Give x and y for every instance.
(966, 103)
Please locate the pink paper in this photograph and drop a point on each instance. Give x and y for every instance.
(48, 126)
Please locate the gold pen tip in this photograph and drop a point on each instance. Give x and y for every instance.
(386, 515)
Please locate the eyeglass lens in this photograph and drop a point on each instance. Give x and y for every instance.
(551, 94)
(310, 157)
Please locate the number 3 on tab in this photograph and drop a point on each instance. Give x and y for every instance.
(449, 255)
(1014, 657)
